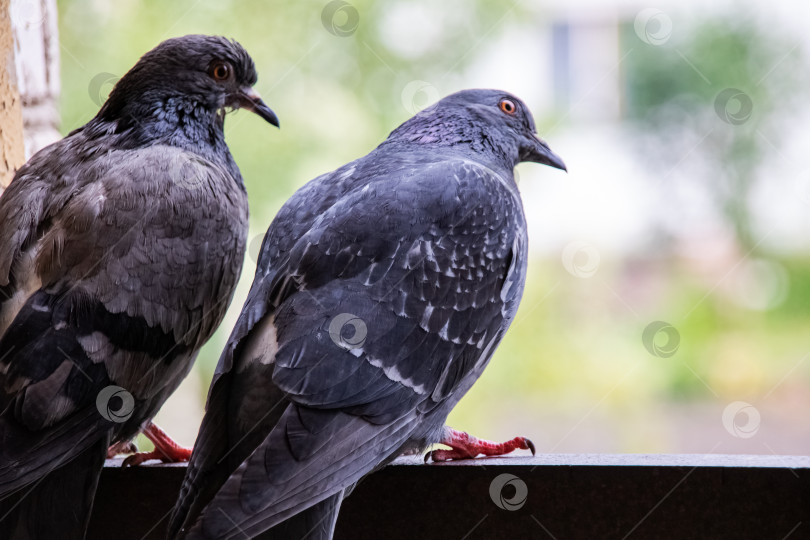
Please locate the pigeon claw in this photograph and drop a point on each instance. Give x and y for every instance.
(166, 450)
(122, 447)
(465, 446)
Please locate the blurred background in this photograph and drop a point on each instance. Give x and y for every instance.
(667, 307)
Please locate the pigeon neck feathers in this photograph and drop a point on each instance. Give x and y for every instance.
(154, 118)
(157, 112)
(457, 133)
(174, 121)
(170, 97)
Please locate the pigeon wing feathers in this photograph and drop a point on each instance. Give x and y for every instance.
(418, 289)
(207, 468)
(253, 500)
(107, 258)
(378, 257)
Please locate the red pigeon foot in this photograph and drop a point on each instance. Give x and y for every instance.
(166, 450)
(465, 446)
(122, 447)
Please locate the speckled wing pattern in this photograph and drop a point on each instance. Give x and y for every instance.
(369, 317)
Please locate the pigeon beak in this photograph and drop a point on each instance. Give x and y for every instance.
(537, 151)
(249, 99)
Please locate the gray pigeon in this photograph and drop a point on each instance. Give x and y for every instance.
(120, 248)
(382, 290)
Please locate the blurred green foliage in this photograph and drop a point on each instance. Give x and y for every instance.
(716, 94)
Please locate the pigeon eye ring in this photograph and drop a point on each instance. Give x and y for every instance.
(508, 106)
(220, 71)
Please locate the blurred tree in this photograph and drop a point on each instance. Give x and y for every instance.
(36, 60)
(703, 99)
(11, 142)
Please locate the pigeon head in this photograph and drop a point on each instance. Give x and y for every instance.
(185, 80)
(492, 123)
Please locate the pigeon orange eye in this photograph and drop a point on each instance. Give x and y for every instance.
(508, 106)
(220, 71)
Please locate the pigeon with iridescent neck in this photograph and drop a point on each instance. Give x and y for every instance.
(382, 290)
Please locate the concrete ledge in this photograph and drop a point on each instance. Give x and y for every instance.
(558, 496)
